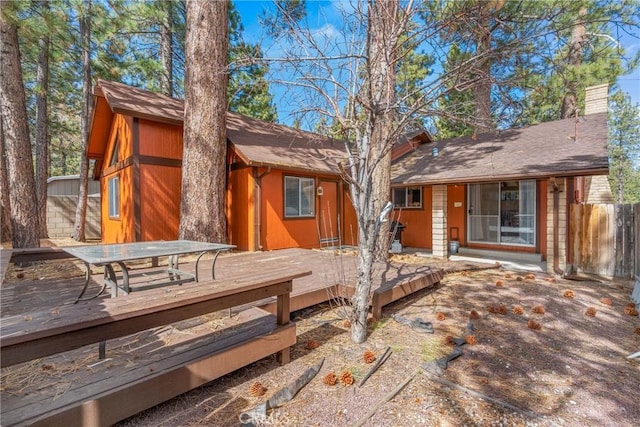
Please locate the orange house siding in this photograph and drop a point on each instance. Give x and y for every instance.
(418, 222)
(456, 215)
(241, 209)
(160, 206)
(118, 229)
(348, 220)
(276, 232)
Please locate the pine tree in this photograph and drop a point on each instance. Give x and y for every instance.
(624, 149)
(15, 136)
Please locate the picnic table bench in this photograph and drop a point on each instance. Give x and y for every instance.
(47, 332)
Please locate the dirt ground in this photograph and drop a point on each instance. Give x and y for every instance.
(572, 371)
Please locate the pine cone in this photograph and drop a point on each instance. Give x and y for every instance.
(499, 283)
(591, 312)
(538, 309)
(630, 311)
(519, 278)
(470, 339)
(330, 379)
(532, 324)
(630, 305)
(346, 323)
(508, 275)
(368, 357)
(550, 279)
(440, 316)
(569, 293)
(257, 389)
(518, 310)
(497, 309)
(448, 340)
(606, 301)
(346, 378)
(473, 315)
(311, 344)
(530, 276)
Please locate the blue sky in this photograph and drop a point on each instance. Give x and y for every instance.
(321, 14)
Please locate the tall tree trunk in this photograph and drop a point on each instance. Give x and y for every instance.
(22, 193)
(5, 206)
(42, 124)
(383, 34)
(482, 90)
(570, 99)
(202, 205)
(81, 209)
(166, 49)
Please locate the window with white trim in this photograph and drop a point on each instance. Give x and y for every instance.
(113, 196)
(299, 197)
(407, 197)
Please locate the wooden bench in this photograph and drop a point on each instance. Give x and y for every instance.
(102, 402)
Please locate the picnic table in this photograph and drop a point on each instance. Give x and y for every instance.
(121, 253)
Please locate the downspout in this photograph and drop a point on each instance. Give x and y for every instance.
(556, 232)
(257, 206)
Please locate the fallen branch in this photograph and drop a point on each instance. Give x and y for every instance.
(283, 395)
(383, 358)
(479, 395)
(386, 398)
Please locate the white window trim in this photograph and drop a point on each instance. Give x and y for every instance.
(499, 242)
(113, 196)
(406, 197)
(300, 180)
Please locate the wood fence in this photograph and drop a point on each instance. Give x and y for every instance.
(604, 239)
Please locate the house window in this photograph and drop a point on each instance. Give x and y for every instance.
(114, 153)
(299, 197)
(407, 197)
(503, 213)
(114, 197)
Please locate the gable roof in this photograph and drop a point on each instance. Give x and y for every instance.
(538, 151)
(256, 142)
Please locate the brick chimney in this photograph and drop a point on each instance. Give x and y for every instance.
(596, 99)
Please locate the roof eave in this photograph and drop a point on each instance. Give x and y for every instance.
(541, 175)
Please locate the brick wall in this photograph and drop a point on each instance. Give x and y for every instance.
(439, 214)
(61, 213)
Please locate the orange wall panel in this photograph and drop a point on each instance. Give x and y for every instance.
(349, 222)
(456, 215)
(160, 139)
(418, 232)
(118, 230)
(276, 232)
(159, 202)
(241, 209)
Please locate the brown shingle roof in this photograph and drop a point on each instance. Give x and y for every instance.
(256, 142)
(539, 151)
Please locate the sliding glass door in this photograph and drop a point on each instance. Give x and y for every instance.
(503, 213)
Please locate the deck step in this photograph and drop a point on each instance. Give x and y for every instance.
(141, 371)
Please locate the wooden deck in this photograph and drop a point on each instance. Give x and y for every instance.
(166, 352)
(333, 276)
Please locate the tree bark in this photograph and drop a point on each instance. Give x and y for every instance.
(482, 90)
(42, 125)
(81, 209)
(570, 99)
(166, 49)
(5, 206)
(22, 192)
(202, 205)
(372, 193)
